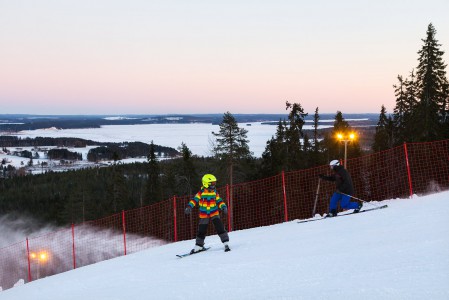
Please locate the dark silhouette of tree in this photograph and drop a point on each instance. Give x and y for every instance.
(187, 174)
(430, 112)
(231, 144)
(153, 190)
(274, 157)
(383, 138)
(294, 134)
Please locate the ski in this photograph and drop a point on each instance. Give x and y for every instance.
(342, 215)
(188, 254)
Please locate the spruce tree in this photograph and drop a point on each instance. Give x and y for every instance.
(231, 144)
(187, 174)
(316, 120)
(401, 111)
(274, 157)
(294, 134)
(429, 114)
(153, 190)
(382, 138)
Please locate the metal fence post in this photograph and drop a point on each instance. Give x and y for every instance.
(73, 246)
(29, 263)
(175, 221)
(285, 198)
(408, 170)
(124, 230)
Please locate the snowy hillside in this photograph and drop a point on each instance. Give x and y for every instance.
(401, 252)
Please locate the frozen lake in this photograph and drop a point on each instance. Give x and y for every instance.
(197, 136)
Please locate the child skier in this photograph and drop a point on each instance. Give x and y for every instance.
(209, 201)
(344, 186)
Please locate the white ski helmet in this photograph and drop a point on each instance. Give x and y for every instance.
(334, 163)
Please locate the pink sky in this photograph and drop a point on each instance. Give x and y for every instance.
(133, 57)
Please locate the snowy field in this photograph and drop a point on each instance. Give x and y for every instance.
(401, 252)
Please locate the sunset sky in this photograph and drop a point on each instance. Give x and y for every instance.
(191, 56)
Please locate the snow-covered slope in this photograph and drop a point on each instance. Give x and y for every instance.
(401, 252)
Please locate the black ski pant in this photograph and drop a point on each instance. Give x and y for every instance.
(219, 228)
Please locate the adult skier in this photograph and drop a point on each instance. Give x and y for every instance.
(209, 201)
(344, 186)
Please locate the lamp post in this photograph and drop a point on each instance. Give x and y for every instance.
(346, 138)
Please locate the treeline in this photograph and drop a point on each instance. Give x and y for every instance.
(58, 154)
(15, 141)
(114, 151)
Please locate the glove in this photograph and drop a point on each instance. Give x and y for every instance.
(321, 176)
(188, 210)
(225, 210)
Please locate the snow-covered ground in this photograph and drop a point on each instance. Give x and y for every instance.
(401, 252)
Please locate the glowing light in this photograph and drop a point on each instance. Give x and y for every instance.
(39, 257)
(43, 256)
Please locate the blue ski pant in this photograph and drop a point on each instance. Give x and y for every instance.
(344, 200)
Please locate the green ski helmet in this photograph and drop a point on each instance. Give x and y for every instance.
(209, 180)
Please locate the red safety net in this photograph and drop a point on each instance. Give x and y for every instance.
(416, 168)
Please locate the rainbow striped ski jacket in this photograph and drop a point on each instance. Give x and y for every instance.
(208, 201)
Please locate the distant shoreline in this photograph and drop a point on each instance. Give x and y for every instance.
(19, 122)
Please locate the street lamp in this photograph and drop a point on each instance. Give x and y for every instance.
(346, 138)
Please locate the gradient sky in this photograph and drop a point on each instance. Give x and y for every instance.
(178, 56)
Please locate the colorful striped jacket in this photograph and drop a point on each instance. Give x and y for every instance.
(208, 201)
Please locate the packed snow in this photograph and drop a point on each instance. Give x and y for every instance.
(401, 252)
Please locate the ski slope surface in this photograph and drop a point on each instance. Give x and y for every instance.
(401, 252)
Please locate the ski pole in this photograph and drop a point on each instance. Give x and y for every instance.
(358, 199)
(316, 197)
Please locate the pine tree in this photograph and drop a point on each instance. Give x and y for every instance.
(445, 111)
(401, 111)
(382, 138)
(294, 134)
(153, 190)
(274, 157)
(284, 151)
(316, 120)
(187, 173)
(429, 114)
(231, 144)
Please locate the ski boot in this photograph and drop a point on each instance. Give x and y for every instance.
(197, 249)
(358, 208)
(227, 249)
(332, 213)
